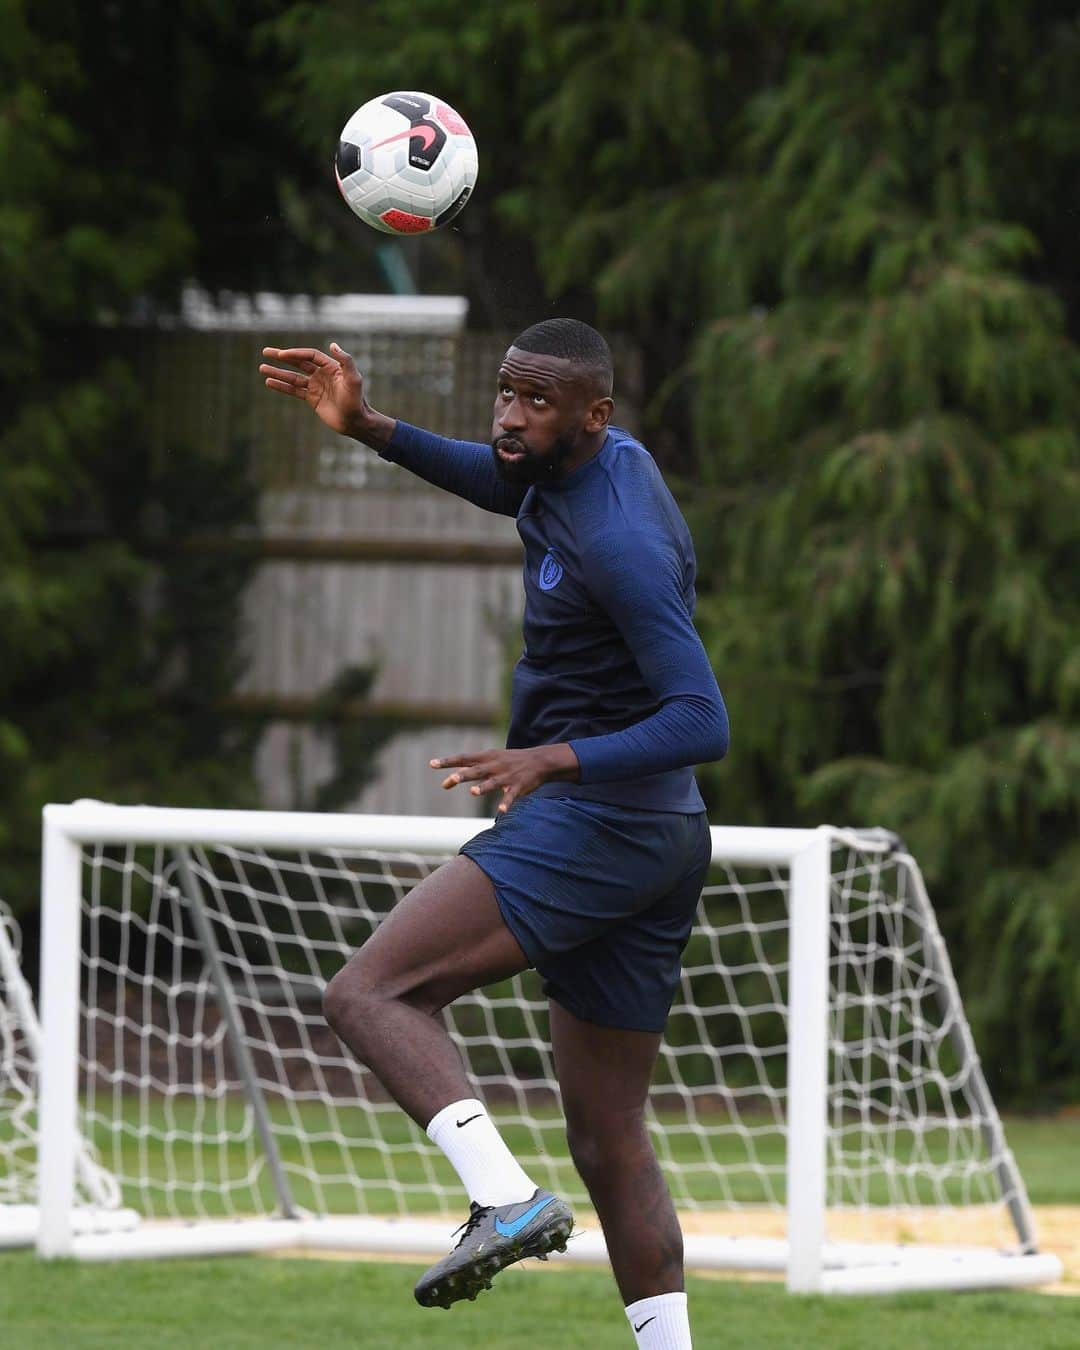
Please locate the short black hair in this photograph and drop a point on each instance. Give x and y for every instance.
(574, 341)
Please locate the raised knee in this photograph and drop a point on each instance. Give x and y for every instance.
(335, 998)
(345, 999)
(353, 998)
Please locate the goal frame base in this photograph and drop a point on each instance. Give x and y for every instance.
(848, 1267)
(20, 1224)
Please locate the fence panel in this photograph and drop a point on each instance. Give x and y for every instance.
(360, 563)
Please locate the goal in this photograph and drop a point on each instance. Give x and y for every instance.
(818, 1108)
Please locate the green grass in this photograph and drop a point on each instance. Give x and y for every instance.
(260, 1302)
(254, 1303)
(1048, 1154)
(1046, 1150)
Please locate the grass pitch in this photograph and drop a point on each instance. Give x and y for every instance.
(253, 1303)
(262, 1303)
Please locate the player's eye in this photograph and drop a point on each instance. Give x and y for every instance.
(505, 391)
(538, 398)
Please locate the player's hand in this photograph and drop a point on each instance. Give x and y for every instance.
(331, 386)
(514, 773)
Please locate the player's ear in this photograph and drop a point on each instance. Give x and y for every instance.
(599, 414)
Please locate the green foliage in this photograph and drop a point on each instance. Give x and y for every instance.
(117, 643)
(900, 475)
(138, 146)
(844, 236)
(122, 644)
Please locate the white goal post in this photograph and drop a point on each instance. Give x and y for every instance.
(819, 1108)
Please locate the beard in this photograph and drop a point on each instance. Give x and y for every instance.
(533, 468)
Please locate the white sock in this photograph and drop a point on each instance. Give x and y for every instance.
(488, 1170)
(661, 1322)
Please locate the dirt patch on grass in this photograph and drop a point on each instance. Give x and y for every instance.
(1058, 1228)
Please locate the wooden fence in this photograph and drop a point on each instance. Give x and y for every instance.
(359, 563)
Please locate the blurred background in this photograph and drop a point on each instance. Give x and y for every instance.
(834, 246)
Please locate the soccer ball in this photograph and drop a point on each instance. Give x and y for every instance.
(406, 163)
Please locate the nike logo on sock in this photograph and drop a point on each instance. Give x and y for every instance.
(468, 1118)
(639, 1325)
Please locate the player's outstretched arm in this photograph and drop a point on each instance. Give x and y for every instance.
(332, 387)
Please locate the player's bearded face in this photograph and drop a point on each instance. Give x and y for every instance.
(533, 466)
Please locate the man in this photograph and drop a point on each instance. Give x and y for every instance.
(593, 868)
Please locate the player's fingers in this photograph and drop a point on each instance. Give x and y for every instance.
(453, 761)
(465, 775)
(297, 356)
(488, 785)
(307, 367)
(282, 388)
(341, 355)
(282, 376)
(451, 779)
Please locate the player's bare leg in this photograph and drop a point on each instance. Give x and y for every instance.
(604, 1076)
(446, 938)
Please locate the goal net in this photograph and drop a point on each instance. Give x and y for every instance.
(96, 1200)
(818, 1107)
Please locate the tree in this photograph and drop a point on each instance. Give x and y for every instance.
(118, 646)
(58, 409)
(121, 642)
(900, 419)
(844, 237)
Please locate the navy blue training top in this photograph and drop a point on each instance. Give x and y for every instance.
(612, 661)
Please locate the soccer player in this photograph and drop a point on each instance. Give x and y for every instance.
(592, 870)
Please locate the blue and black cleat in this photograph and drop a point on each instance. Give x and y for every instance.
(496, 1236)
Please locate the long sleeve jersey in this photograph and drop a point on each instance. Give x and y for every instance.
(612, 662)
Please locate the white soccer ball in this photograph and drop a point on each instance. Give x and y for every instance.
(406, 163)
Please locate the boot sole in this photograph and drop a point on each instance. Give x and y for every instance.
(474, 1278)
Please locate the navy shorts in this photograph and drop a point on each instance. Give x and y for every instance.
(601, 899)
